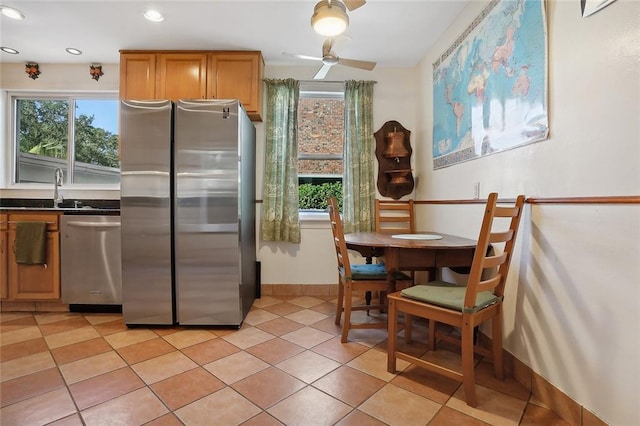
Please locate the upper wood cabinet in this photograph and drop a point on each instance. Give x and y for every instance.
(181, 76)
(237, 75)
(194, 74)
(138, 76)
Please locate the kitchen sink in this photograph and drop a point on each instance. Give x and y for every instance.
(73, 204)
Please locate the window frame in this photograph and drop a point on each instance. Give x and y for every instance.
(328, 91)
(12, 161)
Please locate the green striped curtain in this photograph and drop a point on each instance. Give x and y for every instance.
(359, 153)
(280, 219)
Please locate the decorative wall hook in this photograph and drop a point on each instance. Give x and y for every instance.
(96, 72)
(32, 70)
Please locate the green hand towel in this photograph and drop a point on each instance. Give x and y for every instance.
(31, 240)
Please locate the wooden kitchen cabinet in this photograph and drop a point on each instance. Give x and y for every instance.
(138, 76)
(237, 75)
(198, 74)
(4, 292)
(181, 76)
(34, 282)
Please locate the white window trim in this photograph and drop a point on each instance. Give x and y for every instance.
(9, 162)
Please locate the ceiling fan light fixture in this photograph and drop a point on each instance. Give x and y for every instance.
(329, 19)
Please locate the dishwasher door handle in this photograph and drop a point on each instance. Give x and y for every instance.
(95, 224)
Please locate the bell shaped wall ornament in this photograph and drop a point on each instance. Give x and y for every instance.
(393, 152)
(395, 145)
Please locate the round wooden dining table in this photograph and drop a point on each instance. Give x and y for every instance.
(413, 252)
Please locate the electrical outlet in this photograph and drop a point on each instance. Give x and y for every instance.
(476, 190)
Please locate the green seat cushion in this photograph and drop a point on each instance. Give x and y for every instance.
(448, 295)
(373, 271)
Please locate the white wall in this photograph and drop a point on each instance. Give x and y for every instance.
(573, 302)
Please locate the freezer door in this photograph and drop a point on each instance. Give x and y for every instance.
(207, 258)
(145, 191)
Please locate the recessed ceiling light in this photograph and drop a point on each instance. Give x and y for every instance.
(12, 13)
(73, 51)
(153, 15)
(9, 50)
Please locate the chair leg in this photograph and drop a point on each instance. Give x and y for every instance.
(496, 335)
(408, 327)
(340, 303)
(468, 376)
(367, 294)
(392, 335)
(348, 300)
(432, 335)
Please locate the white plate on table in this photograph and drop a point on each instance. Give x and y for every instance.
(418, 236)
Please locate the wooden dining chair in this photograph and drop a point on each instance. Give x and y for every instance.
(395, 217)
(464, 307)
(353, 279)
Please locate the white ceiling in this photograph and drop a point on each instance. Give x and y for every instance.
(393, 33)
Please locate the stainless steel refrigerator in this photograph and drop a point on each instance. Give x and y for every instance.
(187, 212)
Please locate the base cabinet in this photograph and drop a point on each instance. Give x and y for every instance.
(4, 291)
(34, 282)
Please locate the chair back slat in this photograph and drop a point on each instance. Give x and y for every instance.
(500, 237)
(483, 259)
(506, 211)
(489, 284)
(494, 261)
(394, 216)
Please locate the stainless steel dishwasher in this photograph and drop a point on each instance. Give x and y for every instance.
(90, 269)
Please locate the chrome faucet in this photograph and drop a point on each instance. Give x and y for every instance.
(58, 177)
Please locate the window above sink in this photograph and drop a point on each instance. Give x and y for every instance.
(77, 133)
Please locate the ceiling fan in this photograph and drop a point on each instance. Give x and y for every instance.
(330, 59)
(330, 18)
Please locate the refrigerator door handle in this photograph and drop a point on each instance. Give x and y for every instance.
(214, 228)
(144, 173)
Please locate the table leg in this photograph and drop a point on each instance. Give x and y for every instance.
(367, 295)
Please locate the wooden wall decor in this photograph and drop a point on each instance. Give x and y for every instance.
(393, 151)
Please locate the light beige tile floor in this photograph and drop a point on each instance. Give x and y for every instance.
(285, 366)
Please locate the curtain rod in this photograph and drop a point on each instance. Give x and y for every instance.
(323, 81)
(328, 81)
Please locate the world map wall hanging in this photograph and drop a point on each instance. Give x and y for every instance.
(490, 86)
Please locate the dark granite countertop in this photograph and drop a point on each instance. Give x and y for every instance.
(92, 207)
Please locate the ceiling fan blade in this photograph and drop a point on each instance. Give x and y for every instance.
(322, 72)
(353, 63)
(353, 4)
(311, 58)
